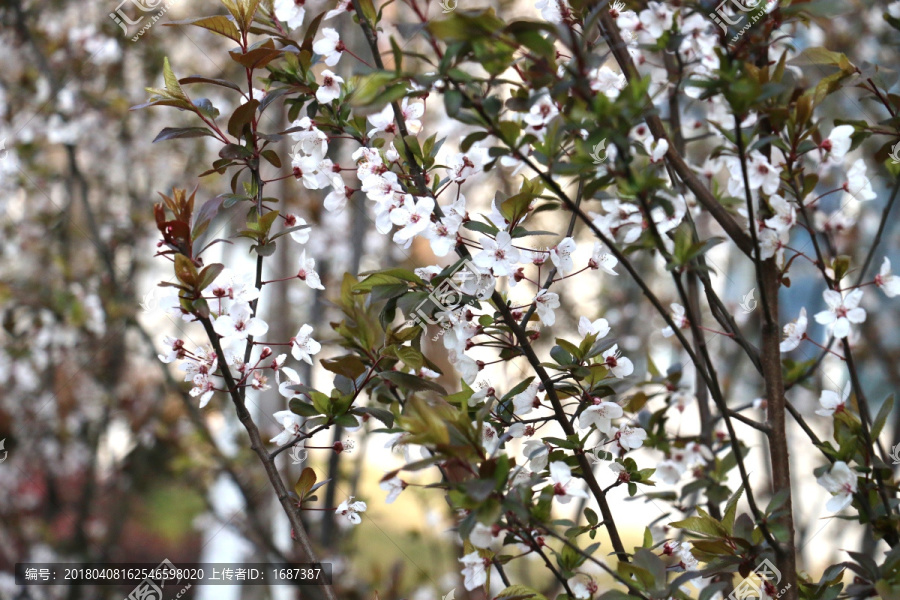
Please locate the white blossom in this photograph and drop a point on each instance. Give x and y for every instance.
(412, 217)
(601, 416)
(537, 453)
(561, 255)
(794, 332)
(669, 471)
(474, 571)
(546, 302)
(603, 260)
(482, 536)
(307, 272)
(330, 88)
(832, 403)
(678, 317)
(292, 425)
(239, 324)
(290, 12)
(599, 328)
(393, 487)
(618, 365)
(630, 437)
(841, 482)
(327, 46)
(858, 185)
(582, 586)
(656, 149)
(838, 142)
(499, 255)
(310, 140)
(350, 509)
(886, 281)
(526, 400)
(607, 81)
(842, 311)
(303, 346)
(564, 485)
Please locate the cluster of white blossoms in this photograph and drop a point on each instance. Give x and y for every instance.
(229, 298)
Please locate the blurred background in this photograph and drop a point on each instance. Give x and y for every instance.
(106, 458)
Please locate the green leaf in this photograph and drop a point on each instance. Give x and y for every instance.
(208, 275)
(367, 88)
(171, 133)
(731, 510)
(219, 24)
(703, 524)
(481, 227)
(172, 85)
(520, 592)
(515, 207)
(258, 57)
(385, 416)
(411, 357)
(273, 158)
(349, 366)
(185, 270)
(412, 382)
(306, 482)
(298, 407)
(886, 407)
(207, 80)
(241, 117)
(374, 279)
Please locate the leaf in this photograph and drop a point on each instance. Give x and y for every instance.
(298, 407)
(385, 416)
(257, 58)
(171, 133)
(481, 227)
(370, 87)
(515, 207)
(520, 592)
(819, 56)
(412, 382)
(241, 117)
(172, 85)
(374, 279)
(348, 366)
(886, 407)
(411, 357)
(219, 24)
(704, 524)
(208, 275)
(466, 26)
(306, 482)
(185, 270)
(273, 158)
(248, 10)
(219, 82)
